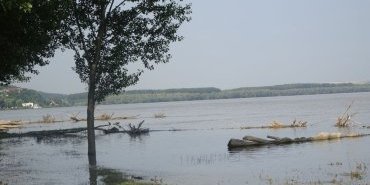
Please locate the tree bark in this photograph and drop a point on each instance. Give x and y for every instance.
(92, 87)
(90, 116)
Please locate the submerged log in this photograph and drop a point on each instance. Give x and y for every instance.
(107, 129)
(250, 141)
(43, 133)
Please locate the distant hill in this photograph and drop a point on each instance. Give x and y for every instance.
(245, 92)
(11, 96)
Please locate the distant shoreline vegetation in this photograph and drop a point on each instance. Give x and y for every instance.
(12, 97)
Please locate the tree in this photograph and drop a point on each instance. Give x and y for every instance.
(29, 34)
(107, 35)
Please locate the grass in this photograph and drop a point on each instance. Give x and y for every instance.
(159, 115)
(276, 124)
(115, 177)
(105, 116)
(48, 119)
(359, 172)
(295, 123)
(345, 120)
(335, 176)
(299, 123)
(136, 183)
(6, 125)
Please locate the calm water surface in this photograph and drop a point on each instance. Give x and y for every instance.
(197, 156)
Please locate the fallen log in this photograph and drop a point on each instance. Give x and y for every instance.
(251, 141)
(42, 133)
(112, 128)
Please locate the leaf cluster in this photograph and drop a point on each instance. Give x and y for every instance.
(108, 35)
(29, 35)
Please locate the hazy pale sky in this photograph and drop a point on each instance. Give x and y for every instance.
(238, 43)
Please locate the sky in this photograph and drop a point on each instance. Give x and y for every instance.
(241, 43)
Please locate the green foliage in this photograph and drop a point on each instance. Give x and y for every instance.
(107, 36)
(147, 96)
(24, 5)
(182, 90)
(31, 36)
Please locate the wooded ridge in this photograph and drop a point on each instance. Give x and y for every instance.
(11, 96)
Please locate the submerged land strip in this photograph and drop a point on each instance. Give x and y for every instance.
(14, 97)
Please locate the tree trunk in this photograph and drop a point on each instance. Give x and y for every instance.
(90, 116)
(92, 86)
(93, 175)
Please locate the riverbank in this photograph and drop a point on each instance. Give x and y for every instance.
(13, 98)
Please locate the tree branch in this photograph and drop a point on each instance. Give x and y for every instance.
(81, 35)
(110, 8)
(118, 5)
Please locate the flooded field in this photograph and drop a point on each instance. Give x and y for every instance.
(199, 155)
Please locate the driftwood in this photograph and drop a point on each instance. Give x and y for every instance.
(251, 141)
(133, 130)
(107, 129)
(277, 125)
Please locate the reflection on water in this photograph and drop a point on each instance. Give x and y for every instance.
(60, 140)
(200, 154)
(99, 175)
(140, 138)
(207, 159)
(93, 175)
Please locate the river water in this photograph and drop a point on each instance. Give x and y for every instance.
(198, 155)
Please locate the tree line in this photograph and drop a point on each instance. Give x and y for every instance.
(184, 94)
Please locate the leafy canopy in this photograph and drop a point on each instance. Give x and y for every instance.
(29, 34)
(107, 35)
